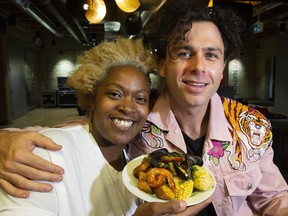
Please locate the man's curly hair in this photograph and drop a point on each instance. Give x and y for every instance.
(96, 63)
(175, 18)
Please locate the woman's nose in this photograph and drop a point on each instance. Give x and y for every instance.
(127, 106)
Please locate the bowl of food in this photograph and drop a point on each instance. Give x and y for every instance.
(161, 176)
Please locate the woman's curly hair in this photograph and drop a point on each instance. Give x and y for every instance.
(175, 18)
(96, 63)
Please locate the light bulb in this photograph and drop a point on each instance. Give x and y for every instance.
(96, 11)
(128, 6)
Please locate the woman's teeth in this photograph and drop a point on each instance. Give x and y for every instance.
(122, 123)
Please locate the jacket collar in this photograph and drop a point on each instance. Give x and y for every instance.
(163, 117)
(218, 127)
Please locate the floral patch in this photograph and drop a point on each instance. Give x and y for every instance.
(217, 151)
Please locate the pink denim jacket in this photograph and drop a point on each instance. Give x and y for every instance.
(237, 150)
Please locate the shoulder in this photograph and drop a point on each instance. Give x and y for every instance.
(71, 138)
(235, 109)
(66, 133)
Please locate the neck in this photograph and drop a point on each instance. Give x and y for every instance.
(197, 125)
(112, 153)
(114, 156)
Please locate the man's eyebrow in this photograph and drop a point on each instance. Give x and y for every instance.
(183, 46)
(213, 49)
(190, 48)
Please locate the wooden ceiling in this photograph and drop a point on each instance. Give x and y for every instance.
(66, 17)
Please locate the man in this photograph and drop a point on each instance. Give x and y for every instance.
(193, 44)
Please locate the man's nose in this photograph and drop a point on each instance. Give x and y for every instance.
(197, 63)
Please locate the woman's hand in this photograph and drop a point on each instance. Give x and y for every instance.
(175, 207)
(19, 167)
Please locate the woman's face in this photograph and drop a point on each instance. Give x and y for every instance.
(120, 106)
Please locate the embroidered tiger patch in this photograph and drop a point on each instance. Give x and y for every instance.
(249, 128)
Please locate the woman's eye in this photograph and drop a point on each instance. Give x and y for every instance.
(114, 94)
(142, 100)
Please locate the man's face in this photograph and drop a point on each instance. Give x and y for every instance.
(193, 68)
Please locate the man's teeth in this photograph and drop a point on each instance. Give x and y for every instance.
(122, 123)
(197, 84)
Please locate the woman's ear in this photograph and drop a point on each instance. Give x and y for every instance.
(160, 63)
(91, 106)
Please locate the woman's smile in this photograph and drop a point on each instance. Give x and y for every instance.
(122, 124)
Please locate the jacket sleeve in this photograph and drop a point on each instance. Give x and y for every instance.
(271, 195)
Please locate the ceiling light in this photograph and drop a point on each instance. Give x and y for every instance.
(128, 6)
(85, 6)
(210, 4)
(96, 11)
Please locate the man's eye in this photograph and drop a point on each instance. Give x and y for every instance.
(211, 55)
(184, 55)
(180, 54)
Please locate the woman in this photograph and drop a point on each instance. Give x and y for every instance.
(112, 85)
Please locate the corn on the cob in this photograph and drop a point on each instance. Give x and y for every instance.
(183, 188)
(202, 178)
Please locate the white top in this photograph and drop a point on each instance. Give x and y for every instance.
(90, 186)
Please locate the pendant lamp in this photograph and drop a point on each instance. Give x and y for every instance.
(128, 6)
(96, 11)
(210, 4)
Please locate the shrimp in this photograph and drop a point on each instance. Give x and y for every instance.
(157, 176)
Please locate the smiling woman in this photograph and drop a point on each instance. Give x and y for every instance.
(112, 84)
(120, 106)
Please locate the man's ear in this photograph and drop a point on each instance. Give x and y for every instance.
(223, 70)
(160, 63)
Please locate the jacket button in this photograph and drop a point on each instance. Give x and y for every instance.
(249, 186)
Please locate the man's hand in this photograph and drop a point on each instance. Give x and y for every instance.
(19, 166)
(175, 208)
